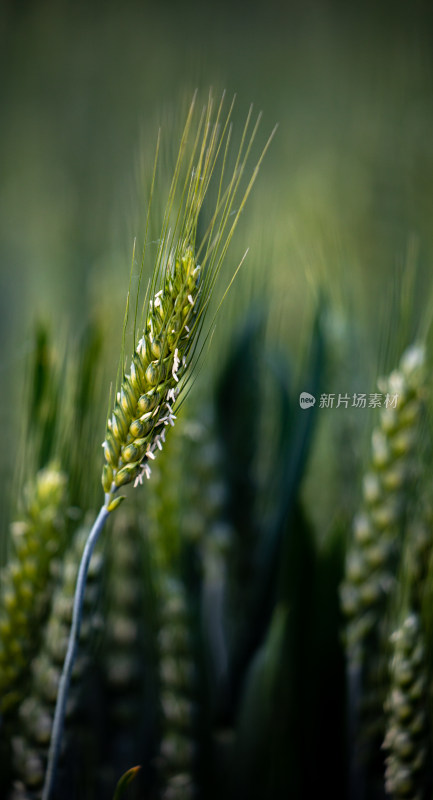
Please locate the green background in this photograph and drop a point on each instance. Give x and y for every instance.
(343, 199)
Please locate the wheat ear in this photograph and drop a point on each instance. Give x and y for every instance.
(35, 712)
(144, 404)
(374, 552)
(25, 581)
(407, 737)
(178, 298)
(376, 544)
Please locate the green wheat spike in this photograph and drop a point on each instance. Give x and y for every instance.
(407, 737)
(166, 507)
(125, 653)
(167, 345)
(37, 539)
(35, 713)
(178, 745)
(370, 583)
(205, 524)
(378, 527)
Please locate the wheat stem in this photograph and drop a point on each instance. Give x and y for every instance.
(59, 715)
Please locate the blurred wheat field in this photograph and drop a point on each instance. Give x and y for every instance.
(243, 580)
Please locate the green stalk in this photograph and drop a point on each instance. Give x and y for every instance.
(59, 715)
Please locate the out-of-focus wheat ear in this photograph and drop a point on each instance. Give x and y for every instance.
(167, 504)
(35, 713)
(377, 531)
(206, 525)
(26, 582)
(407, 739)
(178, 745)
(123, 646)
(374, 553)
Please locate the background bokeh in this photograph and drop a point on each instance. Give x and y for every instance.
(343, 200)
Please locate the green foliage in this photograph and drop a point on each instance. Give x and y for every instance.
(221, 668)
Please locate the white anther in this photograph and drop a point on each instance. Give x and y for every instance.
(176, 363)
(139, 479)
(147, 470)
